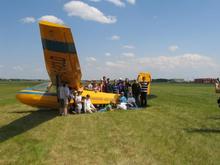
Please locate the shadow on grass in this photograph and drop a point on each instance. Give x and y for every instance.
(215, 118)
(25, 123)
(151, 97)
(203, 130)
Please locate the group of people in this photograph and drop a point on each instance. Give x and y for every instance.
(135, 92)
(132, 95)
(73, 101)
(217, 88)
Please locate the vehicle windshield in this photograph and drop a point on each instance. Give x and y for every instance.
(45, 87)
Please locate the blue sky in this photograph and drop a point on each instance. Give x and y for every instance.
(116, 38)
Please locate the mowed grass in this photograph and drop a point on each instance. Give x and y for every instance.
(180, 126)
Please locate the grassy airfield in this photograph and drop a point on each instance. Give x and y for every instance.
(181, 126)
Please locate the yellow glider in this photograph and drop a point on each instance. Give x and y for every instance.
(62, 65)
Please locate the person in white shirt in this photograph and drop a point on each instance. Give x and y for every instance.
(78, 102)
(131, 101)
(217, 83)
(90, 86)
(89, 107)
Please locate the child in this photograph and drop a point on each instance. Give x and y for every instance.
(89, 107)
(78, 102)
(83, 105)
(131, 101)
(123, 102)
(108, 107)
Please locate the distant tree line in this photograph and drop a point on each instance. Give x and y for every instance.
(13, 79)
(164, 80)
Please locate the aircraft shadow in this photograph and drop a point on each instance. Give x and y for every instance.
(151, 97)
(25, 123)
(215, 118)
(203, 130)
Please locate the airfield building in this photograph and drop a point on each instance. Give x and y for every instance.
(205, 80)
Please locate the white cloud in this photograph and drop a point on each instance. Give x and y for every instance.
(51, 18)
(128, 47)
(107, 54)
(17, 68)
(185, 61)
(27, 20)
(91, 59)
(86, 12)
(118, 3)
(131, 1)
(116, 64)
(115, 37)
(189, 66)
(173, 48)
(1, 66)
(128, 54)
(95, 0)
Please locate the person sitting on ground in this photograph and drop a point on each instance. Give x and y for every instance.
(122, 98)
(108, 107)
(71, 93)
(83, 105)
(131, 101)
(89, 107)
(123, 102)
(78, 101)
(72, 97)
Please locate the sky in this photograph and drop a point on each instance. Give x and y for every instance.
(115, 38)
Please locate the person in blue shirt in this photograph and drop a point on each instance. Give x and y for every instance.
(122, 98)
(123, 102)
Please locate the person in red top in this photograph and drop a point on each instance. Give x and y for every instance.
(104, 84)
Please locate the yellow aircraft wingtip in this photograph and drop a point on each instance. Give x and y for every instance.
(47, 23)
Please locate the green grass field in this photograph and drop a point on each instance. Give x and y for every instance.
(181, 126)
